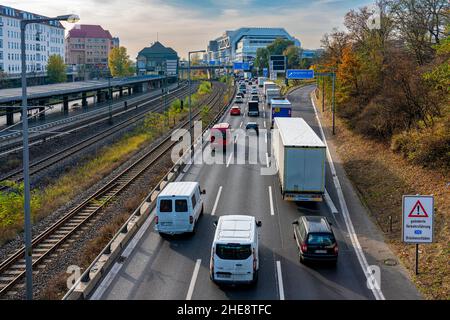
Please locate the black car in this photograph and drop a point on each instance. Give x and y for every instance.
(253, 126)
(255, 98)
(315, 239)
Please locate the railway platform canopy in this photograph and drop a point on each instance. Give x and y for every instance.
(14, 95)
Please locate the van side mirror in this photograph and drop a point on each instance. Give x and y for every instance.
(215, 224)
(203, 191)
(258, 223)
(295, 222)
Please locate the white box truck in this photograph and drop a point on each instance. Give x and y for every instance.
(269, 85)
(272, 93)
(261, 81)
(300, 158)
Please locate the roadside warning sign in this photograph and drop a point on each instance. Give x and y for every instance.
(418, 219)
(418, 211)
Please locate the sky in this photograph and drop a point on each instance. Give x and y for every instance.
(187, 25)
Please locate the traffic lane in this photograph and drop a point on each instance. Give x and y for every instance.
(317, 281)
(302, 107)
(249, 196)
(160, 268)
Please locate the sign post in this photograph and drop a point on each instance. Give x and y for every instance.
(418, 215)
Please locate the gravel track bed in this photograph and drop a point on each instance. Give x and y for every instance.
(146, 182)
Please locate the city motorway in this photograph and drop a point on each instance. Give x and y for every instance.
(178, 268)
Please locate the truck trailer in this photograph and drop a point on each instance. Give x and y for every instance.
(261, 81)
(300, 158)
(280, 108)
(269, 85)
(272, 93)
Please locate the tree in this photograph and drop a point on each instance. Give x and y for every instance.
(119, 63)
(293, 54)
(279, 46)
(56, 69)
(262, 58)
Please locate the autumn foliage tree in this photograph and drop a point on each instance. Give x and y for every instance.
(56, 69)
(119, 63)
(393, 79)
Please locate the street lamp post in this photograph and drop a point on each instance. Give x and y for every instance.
(26, 156)
(189, 86)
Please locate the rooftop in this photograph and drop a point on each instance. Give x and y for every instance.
(178, 189)
(296, 132)
(89, 31)
(20, 14)
(157, 49)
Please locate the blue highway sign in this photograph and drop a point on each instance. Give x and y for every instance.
(300, 74)
(241, 66)
(265, 72)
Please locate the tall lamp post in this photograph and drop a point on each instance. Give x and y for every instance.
(71, 18)
(189, 86)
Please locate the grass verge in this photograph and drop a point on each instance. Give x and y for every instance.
(382, 177)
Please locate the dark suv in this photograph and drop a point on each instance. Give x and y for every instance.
(315, 239)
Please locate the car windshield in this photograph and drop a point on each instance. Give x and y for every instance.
(321, 239)
(233, 251)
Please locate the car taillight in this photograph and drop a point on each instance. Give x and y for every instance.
(191, 219)
(156, 220)
(336, 250)
(304, 247)
(213, 138)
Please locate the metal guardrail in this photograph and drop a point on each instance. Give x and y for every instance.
(93, 274)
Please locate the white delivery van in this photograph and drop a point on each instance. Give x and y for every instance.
(234, 251)
(178, 207)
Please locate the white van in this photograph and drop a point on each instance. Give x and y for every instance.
(178, 207)
(234, 251)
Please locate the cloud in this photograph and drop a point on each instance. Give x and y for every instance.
(189, 25)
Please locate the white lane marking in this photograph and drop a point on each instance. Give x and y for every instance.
(280, 281)
(265, 137)
(213, 212)
(267, 159)
(272, 211)
(242, 122)
(376, 290)
(264, 123)
(235, 138)
(193, 279)
(330, 203)
(229, 159)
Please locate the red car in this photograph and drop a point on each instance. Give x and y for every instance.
(235, 111)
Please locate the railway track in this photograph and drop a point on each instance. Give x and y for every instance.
(46, 162)
(45, 245)
(15, 144)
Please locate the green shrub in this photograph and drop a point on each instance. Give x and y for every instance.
(204, 88)
(426, 146)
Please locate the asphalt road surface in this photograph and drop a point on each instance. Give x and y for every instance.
(178, 267)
